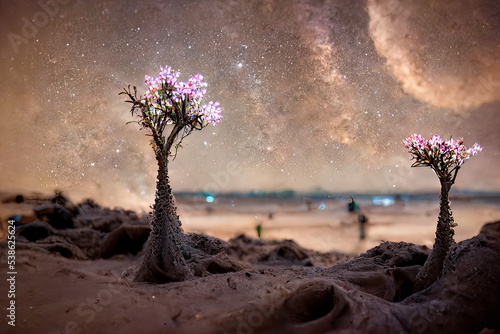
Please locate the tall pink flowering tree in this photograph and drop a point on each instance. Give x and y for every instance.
(170, 110)
(445, 158)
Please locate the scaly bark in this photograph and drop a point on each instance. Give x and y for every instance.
(432, 268)
(163, 260)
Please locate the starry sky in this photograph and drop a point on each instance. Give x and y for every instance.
(317, 94)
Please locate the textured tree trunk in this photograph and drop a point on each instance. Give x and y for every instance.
(163, 260)
(432, 268)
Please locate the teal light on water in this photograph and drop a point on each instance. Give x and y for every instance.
(383, 200)
(209, 198)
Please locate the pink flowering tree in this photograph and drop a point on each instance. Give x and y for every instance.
(445, 158)
(170, 110)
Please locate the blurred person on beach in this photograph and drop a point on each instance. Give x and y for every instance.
(354, 208)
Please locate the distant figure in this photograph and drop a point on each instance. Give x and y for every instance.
(362, 221)
(309, 204)
(259, 229)
(353, 207)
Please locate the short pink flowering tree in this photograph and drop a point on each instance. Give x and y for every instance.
(170, 111)
(445, 158)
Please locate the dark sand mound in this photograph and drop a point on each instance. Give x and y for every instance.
(371, 293)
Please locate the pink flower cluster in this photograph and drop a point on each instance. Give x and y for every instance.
(166, 92)
(167, 77)
(439, 152)
(211, 113)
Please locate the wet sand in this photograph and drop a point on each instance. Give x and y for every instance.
(326, 225)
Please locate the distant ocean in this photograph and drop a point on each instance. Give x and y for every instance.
(365, 199)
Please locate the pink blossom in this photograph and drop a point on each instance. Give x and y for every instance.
(475, 149)
(414, 141)
(440, 155)
(166, 94)
(435, 142)
(211, 113)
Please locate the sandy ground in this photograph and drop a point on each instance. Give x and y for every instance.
(59, 295)
(326, 225)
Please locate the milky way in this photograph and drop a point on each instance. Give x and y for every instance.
(317, 95)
